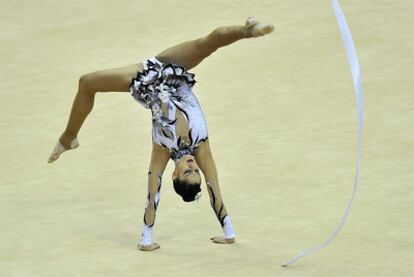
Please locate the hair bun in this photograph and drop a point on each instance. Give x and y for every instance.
(188, 192)
(188, 199)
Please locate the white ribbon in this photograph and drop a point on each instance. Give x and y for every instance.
(356, 76)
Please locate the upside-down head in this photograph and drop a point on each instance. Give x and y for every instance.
(187, 178)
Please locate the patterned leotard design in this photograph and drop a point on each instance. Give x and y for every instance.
(178, 122)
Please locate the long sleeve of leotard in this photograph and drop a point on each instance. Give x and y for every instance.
(153, 198)
(208, 167)
(220, 210)
(159, 160)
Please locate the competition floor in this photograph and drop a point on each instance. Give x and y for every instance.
(283, 130)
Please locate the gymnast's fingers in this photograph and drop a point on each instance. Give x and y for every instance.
(149, 247)
(223, 240)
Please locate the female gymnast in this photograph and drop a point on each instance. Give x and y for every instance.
(163, 84)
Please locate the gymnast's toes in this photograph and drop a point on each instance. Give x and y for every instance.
(258, 29)
(59, 149)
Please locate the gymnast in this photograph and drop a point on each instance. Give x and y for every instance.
(179, 131)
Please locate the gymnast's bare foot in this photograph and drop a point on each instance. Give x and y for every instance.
(222, 240)
(149, 247)
(64, 143)
(256, 28)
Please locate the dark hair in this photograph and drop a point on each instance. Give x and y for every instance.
(186, 190)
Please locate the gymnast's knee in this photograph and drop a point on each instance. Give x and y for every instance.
(87, 83)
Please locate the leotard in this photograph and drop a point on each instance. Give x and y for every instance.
(178, 122)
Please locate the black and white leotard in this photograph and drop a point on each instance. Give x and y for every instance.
(178, 122)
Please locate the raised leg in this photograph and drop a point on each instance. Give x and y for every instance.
(116, 79)
(191, 53)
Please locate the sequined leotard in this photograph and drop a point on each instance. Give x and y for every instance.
(178, 122)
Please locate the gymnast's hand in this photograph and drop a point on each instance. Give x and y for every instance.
(149, 247)
(222, 240)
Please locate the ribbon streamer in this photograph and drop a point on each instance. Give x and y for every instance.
(356, 76)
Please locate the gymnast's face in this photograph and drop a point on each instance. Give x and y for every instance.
(187, 170)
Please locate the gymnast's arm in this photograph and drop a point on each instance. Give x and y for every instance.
(206, 163)
(159, 159)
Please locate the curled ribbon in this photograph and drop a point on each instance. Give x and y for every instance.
(356, 76)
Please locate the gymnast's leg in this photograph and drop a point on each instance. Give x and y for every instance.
(116, 79)
(191, 53)
(188, 54)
